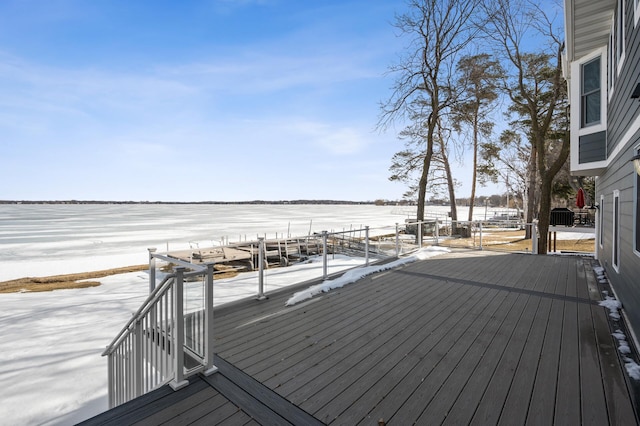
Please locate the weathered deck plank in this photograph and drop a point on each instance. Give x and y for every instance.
(525, 347)
(479, 339)
(364, 341)
(492, 403)
(409, 346)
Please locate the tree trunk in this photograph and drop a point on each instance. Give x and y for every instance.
(475, 164)
(531, 191)
(451, 187)
(422, 187)
(544, 218)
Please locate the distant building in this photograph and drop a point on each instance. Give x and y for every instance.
(602, 67)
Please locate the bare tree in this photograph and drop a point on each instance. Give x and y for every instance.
(536, 89)
(443, 137)
(438, 31)
(406, 164)
(507, 160)
(478, 81)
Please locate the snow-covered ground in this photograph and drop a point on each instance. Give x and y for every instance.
(51, 370)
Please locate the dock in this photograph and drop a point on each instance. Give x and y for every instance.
(470, 337)
(276, 252)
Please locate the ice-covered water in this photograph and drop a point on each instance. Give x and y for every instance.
(48, 239)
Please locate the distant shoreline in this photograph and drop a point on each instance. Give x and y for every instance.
(256, 202)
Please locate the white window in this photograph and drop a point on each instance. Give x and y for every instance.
(588, 101)
(590, 93)
(615, 255)
(620, 33)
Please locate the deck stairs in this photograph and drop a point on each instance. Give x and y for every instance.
(177, 314)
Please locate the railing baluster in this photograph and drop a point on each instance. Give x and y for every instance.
(324, 255)
(261, 260)
(210, 368)
(177, 335)
(163, 337)
(366, 246)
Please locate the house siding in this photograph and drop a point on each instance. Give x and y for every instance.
(619, 176)
(627, 287)
(593, 147)
(622, 110)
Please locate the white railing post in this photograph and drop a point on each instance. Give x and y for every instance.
(324, 255)
(261, 250)
(419, 234)
(480, 229)
(534, 239)
(177, 335)
(152, 270)
(436, 232)
(209, 337)
(397, 240)
(366, 246)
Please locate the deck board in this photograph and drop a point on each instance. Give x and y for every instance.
(469, 396)
(435, 360)
(408, 346)
(525, 347)
(472, 338)
(392, 362)
(542, 402)
(567, 399)
(364, 341)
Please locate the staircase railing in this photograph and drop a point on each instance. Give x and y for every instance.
(167, 340)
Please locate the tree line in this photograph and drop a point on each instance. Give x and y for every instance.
(466, 66)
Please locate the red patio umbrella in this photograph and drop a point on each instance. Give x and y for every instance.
(580, 198)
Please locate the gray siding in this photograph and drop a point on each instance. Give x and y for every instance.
(593, 147)
(620, 176)
(622, 111)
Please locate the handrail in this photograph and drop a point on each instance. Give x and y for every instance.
(152, 298)
(147, 304)
(151, 349)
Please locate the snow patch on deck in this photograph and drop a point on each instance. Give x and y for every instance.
(356, 274)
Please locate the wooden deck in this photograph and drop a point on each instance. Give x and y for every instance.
(475, 338)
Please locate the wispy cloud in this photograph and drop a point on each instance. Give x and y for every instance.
(305, 95)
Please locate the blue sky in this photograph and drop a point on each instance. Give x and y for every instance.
(197, 100)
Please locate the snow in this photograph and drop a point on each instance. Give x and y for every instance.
(51, 368)
(633, 369)
(361, 272)
(611, 303)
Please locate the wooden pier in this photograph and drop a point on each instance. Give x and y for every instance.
(276, 252)
(280, 252)
(465, 338)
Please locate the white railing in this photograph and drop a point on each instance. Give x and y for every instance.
(168, 339)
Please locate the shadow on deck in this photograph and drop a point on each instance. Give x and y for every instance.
(465, 338)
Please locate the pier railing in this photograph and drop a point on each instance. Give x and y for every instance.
(167, 340)
(170, 337)
(370, 244)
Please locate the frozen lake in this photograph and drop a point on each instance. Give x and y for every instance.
(40, 240)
